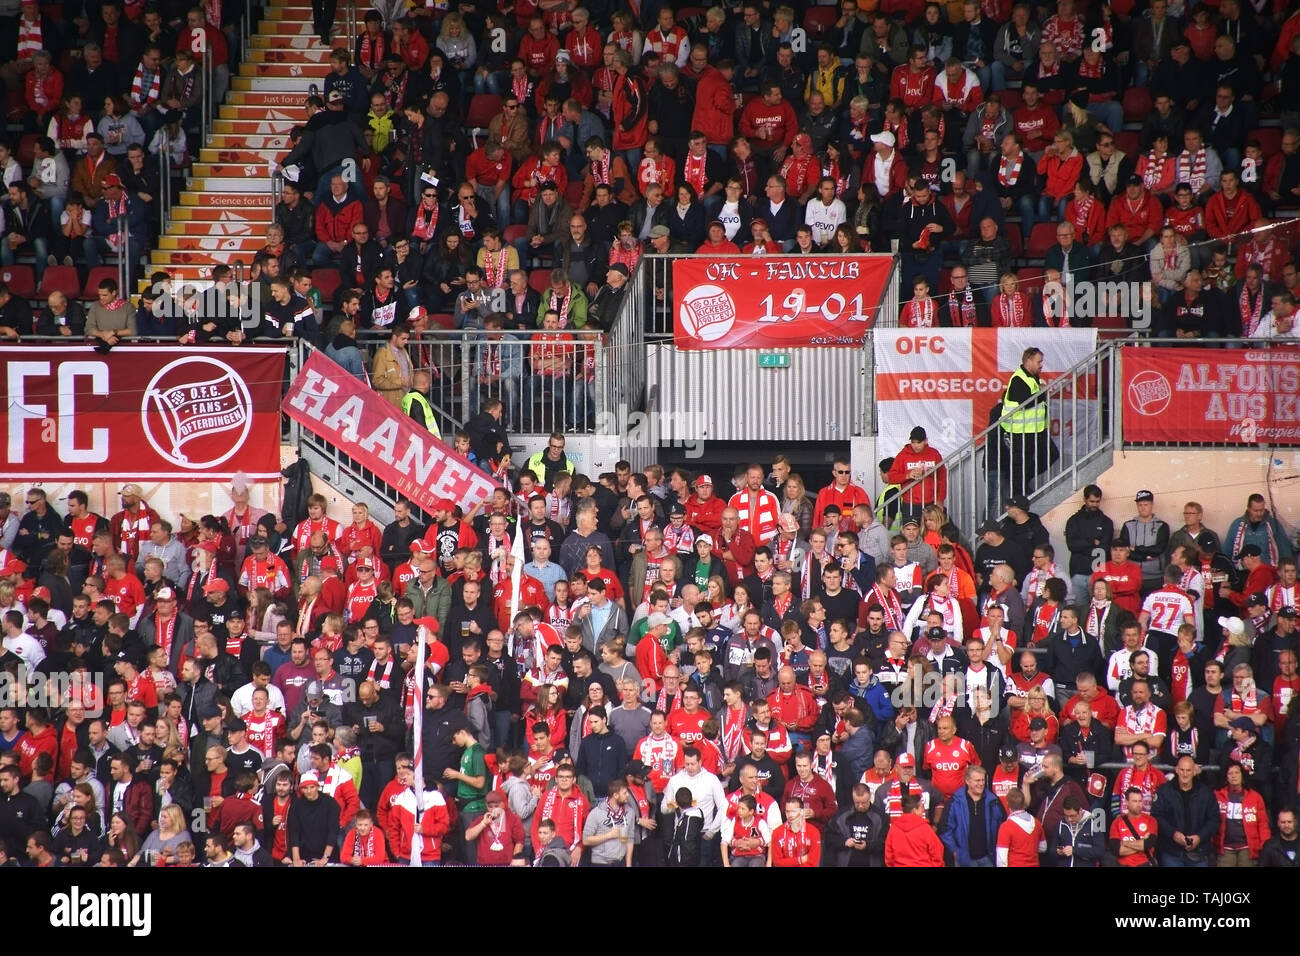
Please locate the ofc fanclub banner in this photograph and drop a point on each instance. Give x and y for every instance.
(948, 380)
(141, 412)
(331, 403)
(765, 302)
(1212, 395)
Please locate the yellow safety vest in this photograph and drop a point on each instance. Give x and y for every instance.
(409, 399)
(1029, 421)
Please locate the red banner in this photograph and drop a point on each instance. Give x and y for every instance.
(769, 302)
(329, 402)
(141, 412)
(1245, 396)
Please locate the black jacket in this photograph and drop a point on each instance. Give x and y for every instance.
(848, 824)
(1278, 852)
(684, 831)
(439, 752)
(377, 745)
(20, 817)
(1200, 817)
(298, 222)
(1066, 661)
(313, 825)
(1089, 846)
(601, 758)
(658, 216)
(1100, 743)
(1085, 532)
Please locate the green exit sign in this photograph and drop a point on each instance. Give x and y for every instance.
(773, 360)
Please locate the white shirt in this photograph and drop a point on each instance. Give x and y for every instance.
(26, 647)
(1268, 328)
(823, 220)
(880, 167)
(706, 794)
(241, 701)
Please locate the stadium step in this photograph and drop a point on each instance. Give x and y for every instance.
(211, 215)
(223, 214)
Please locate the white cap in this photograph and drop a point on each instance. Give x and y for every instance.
(1233, 625)
(885, 137)
(659, 619)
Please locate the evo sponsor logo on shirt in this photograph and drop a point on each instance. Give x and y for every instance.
(77, 910)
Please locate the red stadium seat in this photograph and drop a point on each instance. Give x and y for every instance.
(540, 279)
(327, 282)
(59, 279)
(15, 106)
(444, 320)
(90, 291)
(1270, 140)
(1137, 104)
(482, 107)
(573, 194)
(945, 281)
(1010, 99)
(514, 232)
(1031, 279)
(685, 14)
(1012, 231)
(818, 20)
(1040, 240)
(1129, 143)
(21, 281)
(26, 154)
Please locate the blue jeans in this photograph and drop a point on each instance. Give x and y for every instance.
(1047, 212)
(582, 404)
(1000, 73)
(1025, 207)
(40, 249)
(1111, 112)
(1176, 861)
(492, 83)
(322, 257)
(500, 205)
(982, 863)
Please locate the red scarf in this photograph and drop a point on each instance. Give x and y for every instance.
(1193, 172)
(1090, 71)
(600, 170)
(693, 172)
(1155, 170)
(1011, 311)
(1008, 171)
(372, 54)
(1052, 305)
(1082, 209)
(1250, 315)
(920, 314)
(426, 222)
(962, 314)
(139, 97)
(889, 606)
(163, 633)
(494, 268)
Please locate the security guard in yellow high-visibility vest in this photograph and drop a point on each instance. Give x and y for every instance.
(1025, 423)
(417, 406)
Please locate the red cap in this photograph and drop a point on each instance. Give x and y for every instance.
(417, 546)
(216, 584)
(208, 546)
(444, 504)
(112, 179)
(906, 760)
(43, 593)
(13, 566)
(329, 563)
(429, 623)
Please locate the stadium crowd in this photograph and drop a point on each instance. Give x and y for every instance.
(677, 676)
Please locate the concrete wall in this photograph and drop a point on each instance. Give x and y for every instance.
(1219, 479)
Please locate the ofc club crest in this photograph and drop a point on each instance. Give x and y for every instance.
(196, 412)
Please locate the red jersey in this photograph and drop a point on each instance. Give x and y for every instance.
(706, 516)
(360, 597)
(83, 529)
(759, 512)
(127, 593)
(403, 576)
(1125, 582)
(1140, 827)
(687, 728)
(569, 814)
(143, 690)
(1020, 839)
(263, 731)
(947, 764)
(272, 574)
(916, 90)
(306, 528)
(1003, 782)
(801, 848)
(1185, 222)
(659, 754)
(1166, 608)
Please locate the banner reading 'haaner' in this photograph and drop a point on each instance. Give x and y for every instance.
(329, 402)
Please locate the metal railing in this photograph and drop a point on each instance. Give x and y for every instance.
(123, 255)
(209, 105)
(164, 179)
(350, 24)
(1087, 400)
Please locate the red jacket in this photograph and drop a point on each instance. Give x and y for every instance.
(1254, 820)
(53, 88)
(138, 805)
(799, 708)
(334, 220)
(845, 500)
(233, 811)
(816, 795)
(914, 89)
(1224, 216)
(906, 467)
(370, 851)
(706, 516)
(1017, 846)
(1125, 583)
(47, 741)
(912, 842)
(631, 118)
(1148, 214)
(796, 849)
(715, 107)
(1061, 175)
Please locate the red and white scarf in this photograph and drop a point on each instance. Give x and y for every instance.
(1091, 71)
(1011, 311)
(1096, 614)
(1239, 540)
(733, 729)
(426, 221)
(139, 97)
(889, 606)
(1082, 212)
(29, 38)
(1009, 171)
(163, 633)
(1155, 170)
(554, 302)
(1192, 171)
(920, 314)
(1250, 315)
(693, 172)
(519, 87)
(494, 268)
(1055, 312)
(600, 170)
(372, 53)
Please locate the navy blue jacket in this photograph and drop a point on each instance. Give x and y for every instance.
(954, 830)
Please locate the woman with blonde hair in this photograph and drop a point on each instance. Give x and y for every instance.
(795, 501)
(1011, 308)
(1036, 706)
(162, 842)
(458, 46)
(933, 518)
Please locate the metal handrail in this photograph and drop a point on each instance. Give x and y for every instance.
(123, 256)
(208, 106)
(350, 28)
(164, 178)
(1088, 396)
